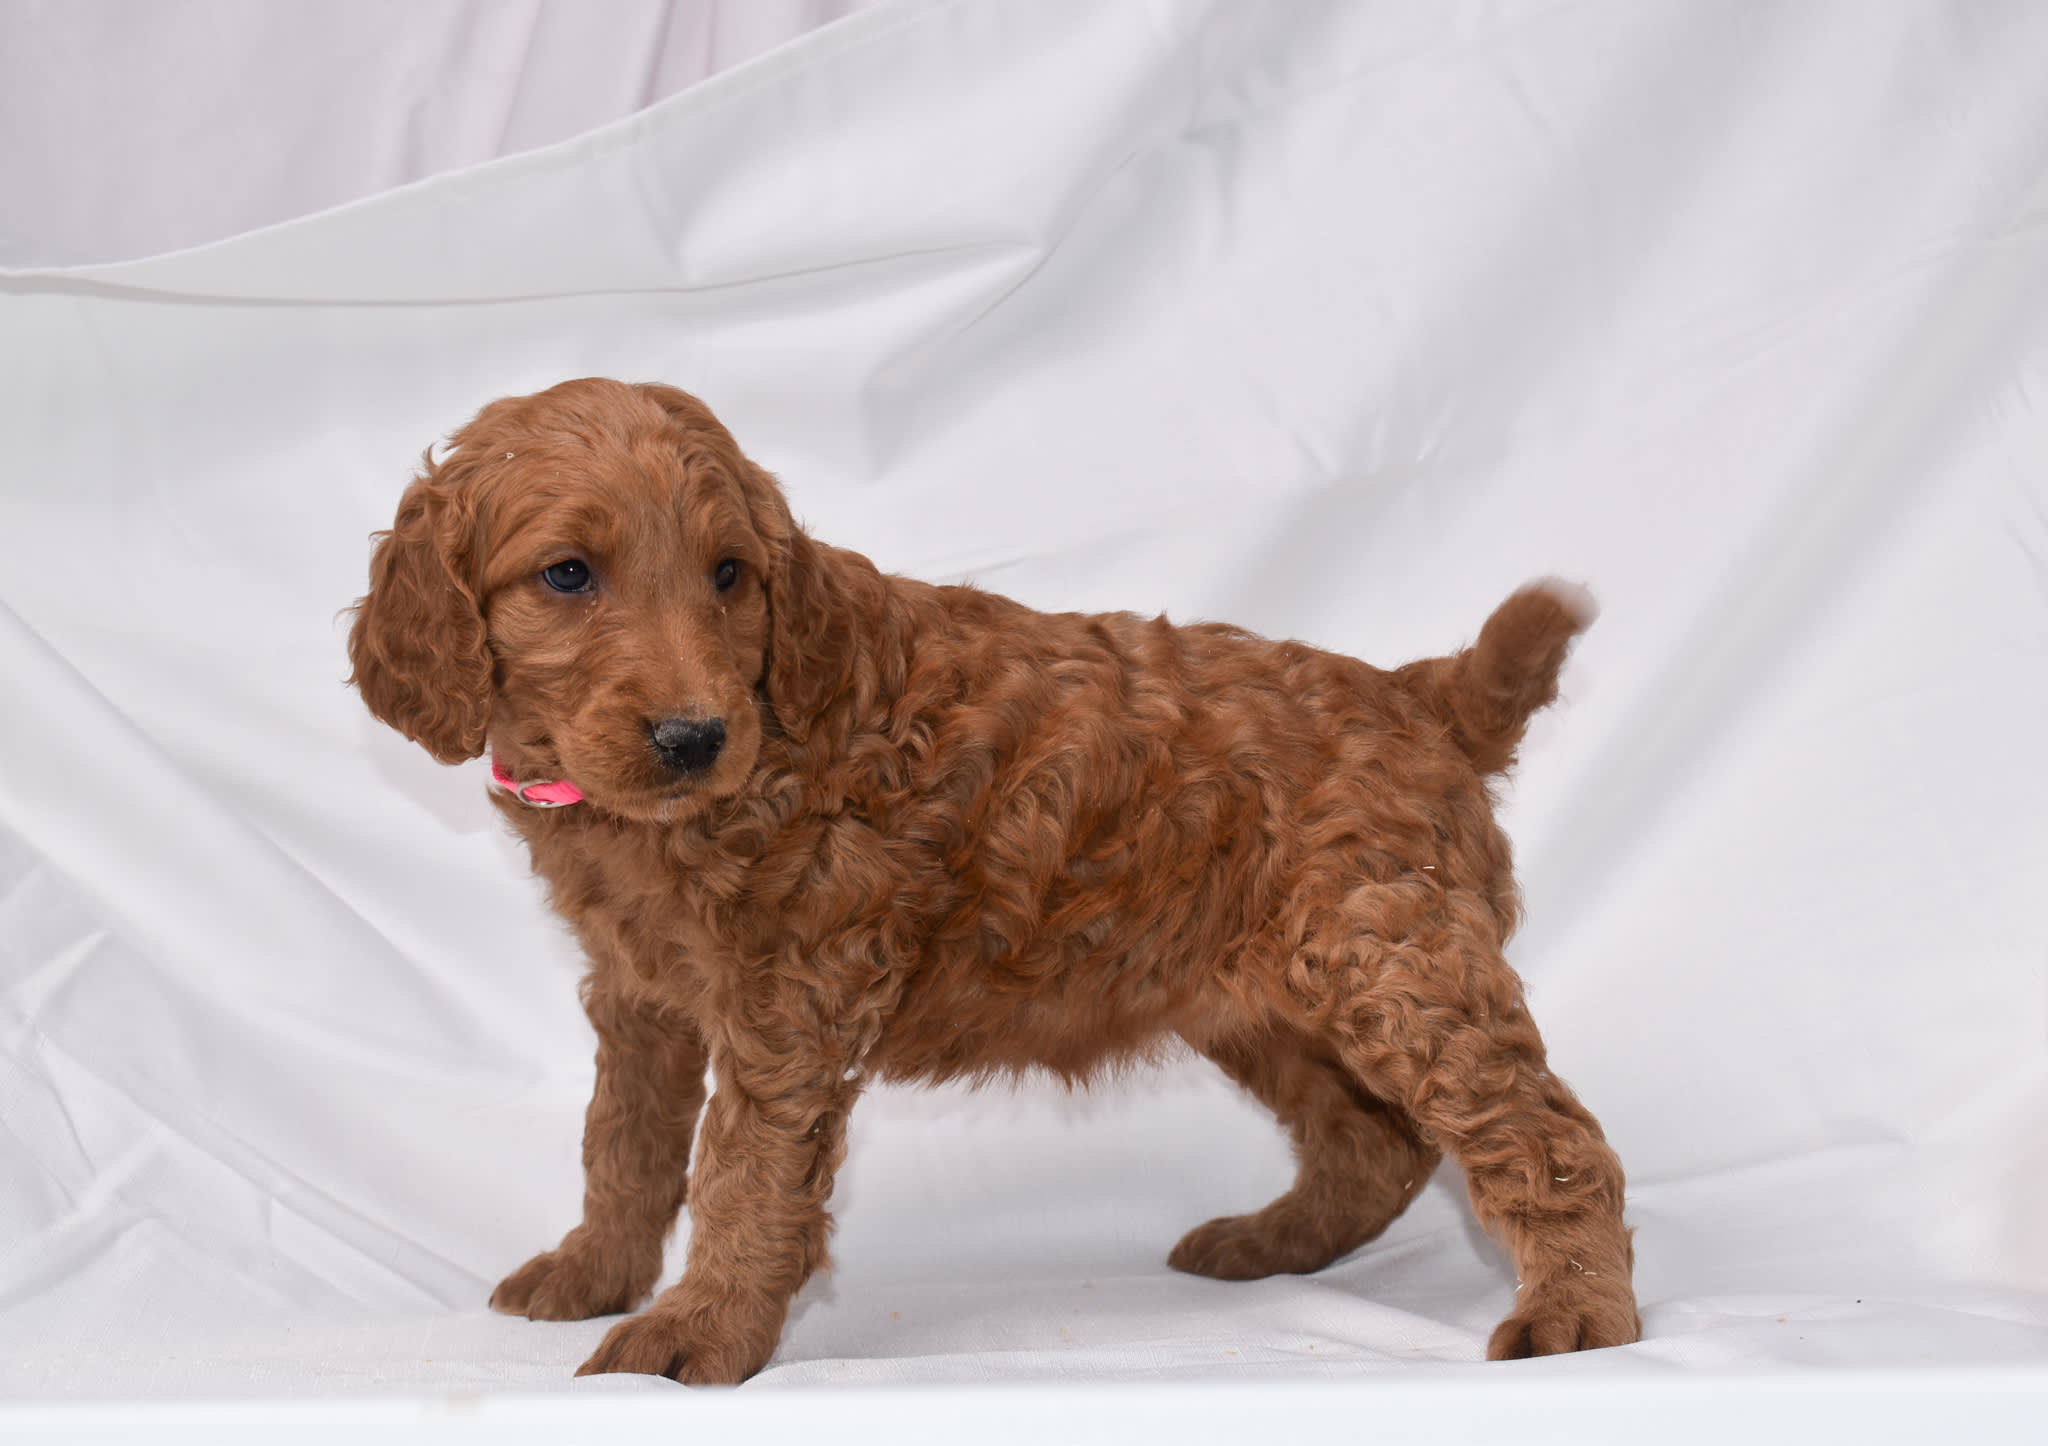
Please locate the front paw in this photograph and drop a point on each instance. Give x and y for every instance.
(1582, 1313)
(662, 1343)
(579, 1280)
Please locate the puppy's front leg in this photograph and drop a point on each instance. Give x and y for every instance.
(758, 1229)
(636, 1157)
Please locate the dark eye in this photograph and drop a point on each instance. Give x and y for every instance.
(572, 574)
(726, 574)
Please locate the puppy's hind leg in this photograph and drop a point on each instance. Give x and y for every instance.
(1359, 1163)
(636, 1158)
(1426, 1008)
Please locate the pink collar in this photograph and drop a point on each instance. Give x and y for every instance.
(539, 795)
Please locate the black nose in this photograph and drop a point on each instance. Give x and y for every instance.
(688, 745)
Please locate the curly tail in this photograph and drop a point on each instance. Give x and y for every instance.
(1486, 693)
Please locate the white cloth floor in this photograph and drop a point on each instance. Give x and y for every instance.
(1337, 321)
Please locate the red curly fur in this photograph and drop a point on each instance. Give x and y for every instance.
(945, 836)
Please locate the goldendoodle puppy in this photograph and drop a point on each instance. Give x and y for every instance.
(815, 825)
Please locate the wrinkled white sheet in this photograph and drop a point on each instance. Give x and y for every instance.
(131, 127)
(1334, 320)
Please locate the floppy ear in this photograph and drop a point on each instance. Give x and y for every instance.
(811, 640)
(811, 637)
(417, 644)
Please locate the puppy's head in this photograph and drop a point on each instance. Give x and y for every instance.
(595, 584)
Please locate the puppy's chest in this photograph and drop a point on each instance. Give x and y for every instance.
(628, 896)
(702, 902)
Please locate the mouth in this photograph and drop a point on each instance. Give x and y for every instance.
(624, 775)
(661, 802)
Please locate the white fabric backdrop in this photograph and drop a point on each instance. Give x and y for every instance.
(1334, 320)
(140, 126)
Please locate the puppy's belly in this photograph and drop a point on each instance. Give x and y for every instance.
(1074, 1011)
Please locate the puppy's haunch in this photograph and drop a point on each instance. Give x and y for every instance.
(816, 825)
